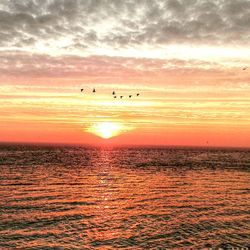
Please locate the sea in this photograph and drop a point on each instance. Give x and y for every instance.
(74, 197)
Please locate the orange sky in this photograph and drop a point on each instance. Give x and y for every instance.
(193, 89)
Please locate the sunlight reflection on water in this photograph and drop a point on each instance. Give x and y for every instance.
(87, 198)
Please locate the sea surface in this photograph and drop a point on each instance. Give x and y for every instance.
(58, 197)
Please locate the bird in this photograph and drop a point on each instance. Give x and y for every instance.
(121, 96)
(81, 90)
(244, 68)
(94, 90)
(113, 93)
(137, 94)
(115, 96)
(130, 96)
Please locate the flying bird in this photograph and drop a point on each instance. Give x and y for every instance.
(94, 90)
(115, 96)
(137, 94)
(121, 96)
(113, 93)
(130, 96)
(244, 68)
(81, 90)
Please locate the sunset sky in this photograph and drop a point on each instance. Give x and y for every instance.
(184, 57)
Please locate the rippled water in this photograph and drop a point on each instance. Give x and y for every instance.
(127, 198)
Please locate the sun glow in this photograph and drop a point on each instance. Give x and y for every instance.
(106, 130)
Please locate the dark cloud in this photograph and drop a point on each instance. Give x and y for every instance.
(123, 23)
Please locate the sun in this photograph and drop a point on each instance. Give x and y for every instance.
(106, 130)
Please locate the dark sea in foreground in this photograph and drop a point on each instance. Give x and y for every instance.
(124, 198)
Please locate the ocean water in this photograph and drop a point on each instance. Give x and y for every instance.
(124, 198)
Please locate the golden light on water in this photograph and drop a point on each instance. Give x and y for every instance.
(106, 130)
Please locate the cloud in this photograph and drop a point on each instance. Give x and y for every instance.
(83, 25)
(40, 65)
(20, 68)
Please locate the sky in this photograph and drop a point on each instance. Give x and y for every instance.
(184, 57)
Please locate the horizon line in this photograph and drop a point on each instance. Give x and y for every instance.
(109, 145)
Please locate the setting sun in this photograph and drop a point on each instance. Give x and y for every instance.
(106, 130)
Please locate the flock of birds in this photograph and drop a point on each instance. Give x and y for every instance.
(137, 94)
(114, 94)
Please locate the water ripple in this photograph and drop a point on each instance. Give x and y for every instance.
(89, 198)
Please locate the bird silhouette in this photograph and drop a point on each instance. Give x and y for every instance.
(130, 96)
(113, 93)
(121, 96)
(244, 68)
(81, 90)
(94, 90)
(115, 96)
(137, 94)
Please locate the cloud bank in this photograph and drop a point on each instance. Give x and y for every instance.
(83, 25)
